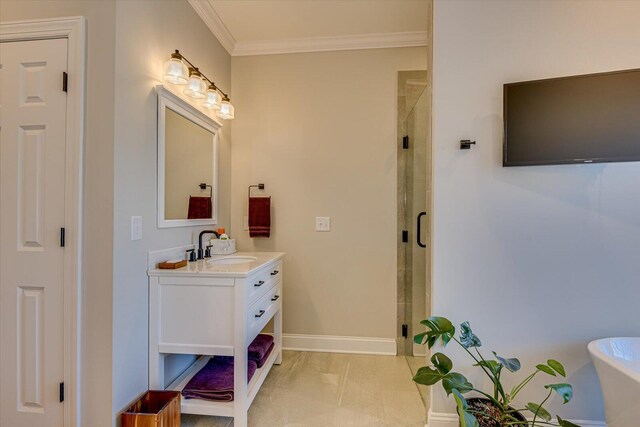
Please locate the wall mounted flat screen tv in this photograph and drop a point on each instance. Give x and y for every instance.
(582, 119)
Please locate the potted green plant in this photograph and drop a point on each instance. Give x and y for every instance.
(493, 409)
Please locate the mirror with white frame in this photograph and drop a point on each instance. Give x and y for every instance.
(187, 163)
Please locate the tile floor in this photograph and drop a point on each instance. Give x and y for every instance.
(330, 389)
(416, 363)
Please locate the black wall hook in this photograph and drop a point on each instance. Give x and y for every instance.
(465, 144)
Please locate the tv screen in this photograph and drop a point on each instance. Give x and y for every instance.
(582, 119)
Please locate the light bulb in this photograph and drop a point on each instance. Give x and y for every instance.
(196, 87)
(226, 110)
(175, 71)
(213, 99)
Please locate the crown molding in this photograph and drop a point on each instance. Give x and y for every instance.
(332, 43)
(208, 14)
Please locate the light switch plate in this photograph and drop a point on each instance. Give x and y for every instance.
(323, 223)
(136, 228)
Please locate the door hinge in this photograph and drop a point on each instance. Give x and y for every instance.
(62, 237)
(65, 80)
(405, 236)
(405, 142)
(61, 392)
(405, 331)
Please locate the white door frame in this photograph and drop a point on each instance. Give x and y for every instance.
(74, 30)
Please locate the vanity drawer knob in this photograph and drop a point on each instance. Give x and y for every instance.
(260, 314)
(275, 298)
(260, 283)
(275, 272)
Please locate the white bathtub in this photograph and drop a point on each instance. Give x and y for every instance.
(617, 361)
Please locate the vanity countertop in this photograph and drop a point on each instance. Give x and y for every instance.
(209, 268)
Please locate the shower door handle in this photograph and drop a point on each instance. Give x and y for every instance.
(419, 221)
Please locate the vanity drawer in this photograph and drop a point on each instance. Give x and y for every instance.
(263, 281)
(259, 314)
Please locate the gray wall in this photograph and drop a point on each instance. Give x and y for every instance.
(319, 129)
(147, 32)
(541, 260)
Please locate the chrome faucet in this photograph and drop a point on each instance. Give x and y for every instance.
(201, 254)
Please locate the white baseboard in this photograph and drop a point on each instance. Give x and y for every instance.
(335, 344)
(444, 419)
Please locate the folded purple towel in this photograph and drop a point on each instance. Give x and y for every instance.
(262, 361)
(260, 348)
(215, 380)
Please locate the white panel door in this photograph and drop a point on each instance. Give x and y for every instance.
(32, 172)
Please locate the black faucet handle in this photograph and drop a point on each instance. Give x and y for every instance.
(192, 255)
(207, 252)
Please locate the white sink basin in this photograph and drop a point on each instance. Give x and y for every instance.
(232, 260)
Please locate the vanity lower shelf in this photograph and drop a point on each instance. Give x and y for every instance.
(222, 409)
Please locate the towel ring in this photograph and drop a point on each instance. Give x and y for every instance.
(258, 186)
(203, 186)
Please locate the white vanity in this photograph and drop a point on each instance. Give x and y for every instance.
(213, 307)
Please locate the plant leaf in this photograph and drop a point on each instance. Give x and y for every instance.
(446, 338)
(420, 338)
(439, 324)
(439, 327)
(557, 366)
(466, 419)
(427, 376)
(454, 380)
(563, 389)
(431, 341)
(442, 363)
(537, 409)
(546, 369)
(565, 423)
(511, 364)
(492, 365)
(467, 337)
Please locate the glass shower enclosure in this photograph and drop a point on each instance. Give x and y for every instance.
(414, 202)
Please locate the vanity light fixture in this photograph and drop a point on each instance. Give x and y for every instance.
(196, 86)
(175, 71)
(226, 109)
(199, 86)
(213, 99)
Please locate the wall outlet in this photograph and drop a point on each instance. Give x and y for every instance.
(136, 228)
(323, 223)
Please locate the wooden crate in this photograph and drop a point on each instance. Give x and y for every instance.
(156, 408)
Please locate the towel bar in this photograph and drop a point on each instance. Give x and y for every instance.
(203, 186)
(258, 186)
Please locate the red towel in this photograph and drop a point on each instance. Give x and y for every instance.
(259, 216)
(199, 208)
